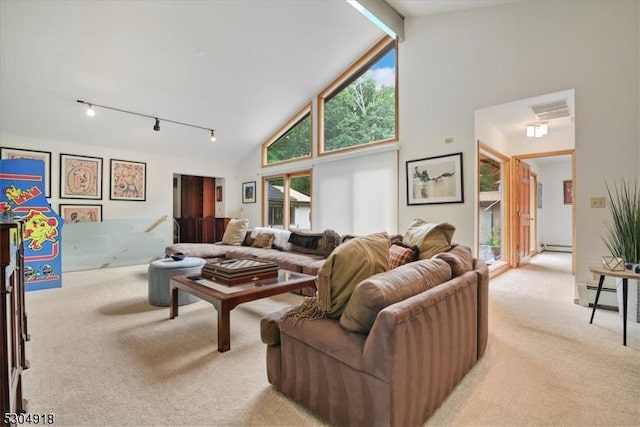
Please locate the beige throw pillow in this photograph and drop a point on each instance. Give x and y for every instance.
(348, 265)
(235, 232)
(263, 240)
(431, 238)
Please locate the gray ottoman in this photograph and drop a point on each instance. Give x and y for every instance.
(160, 273)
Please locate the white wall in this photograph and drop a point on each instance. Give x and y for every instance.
(554, 218)
(452, 64)
(160, 170)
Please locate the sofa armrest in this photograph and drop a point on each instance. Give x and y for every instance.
(424, 336)
(269, 329)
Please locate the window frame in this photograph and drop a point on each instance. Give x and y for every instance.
(307, 109)
(286, 177)
(357, 68)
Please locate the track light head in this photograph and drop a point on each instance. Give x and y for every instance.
(156, 127)
(213, 136)
(90, 111)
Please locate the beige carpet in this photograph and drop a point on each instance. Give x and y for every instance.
(102, 356)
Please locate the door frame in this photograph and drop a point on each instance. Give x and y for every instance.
(513, 255)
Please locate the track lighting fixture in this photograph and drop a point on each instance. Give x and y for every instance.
(156, 126)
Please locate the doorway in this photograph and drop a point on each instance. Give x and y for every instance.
(194, 209)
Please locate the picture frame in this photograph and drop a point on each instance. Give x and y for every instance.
(219, 193)
(73, 213)
(128, 180)
(539, 195)
(21, 153)
(80, 177)
(435, 180)
(567, 191)
(249, 192)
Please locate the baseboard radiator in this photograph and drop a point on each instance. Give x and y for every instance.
(587, 295)
(554, 247)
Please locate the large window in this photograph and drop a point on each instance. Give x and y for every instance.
(291, 142)
(491, 212)
(360, 106)
(288, 201)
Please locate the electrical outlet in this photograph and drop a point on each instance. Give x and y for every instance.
(597, 202)
(448, 140)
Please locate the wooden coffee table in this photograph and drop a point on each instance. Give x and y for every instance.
(226, 298)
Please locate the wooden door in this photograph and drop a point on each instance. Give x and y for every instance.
(523, 210)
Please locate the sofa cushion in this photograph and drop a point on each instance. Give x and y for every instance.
(348, 265)
(400, 254)
(198, 250)
(263, 240)
(382, 290)
(459, 258)
(431, 238)
(235, 232)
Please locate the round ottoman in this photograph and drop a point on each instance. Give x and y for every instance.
(160, 273)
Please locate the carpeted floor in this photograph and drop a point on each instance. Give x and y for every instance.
(101, 355)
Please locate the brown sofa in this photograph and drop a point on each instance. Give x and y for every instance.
(286, 256)
(402, 369)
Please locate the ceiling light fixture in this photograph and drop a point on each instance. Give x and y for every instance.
(537, 130)
(156, 126)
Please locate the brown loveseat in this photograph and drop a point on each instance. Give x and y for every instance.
(401, 369)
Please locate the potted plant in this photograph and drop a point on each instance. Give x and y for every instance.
(622, 236)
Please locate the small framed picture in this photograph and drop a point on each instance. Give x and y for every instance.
(249, 192)
(19, 153)
(567, 191)
(219, 193)
(80, 213)
(128, 180)
(435, 180)
(80, 177)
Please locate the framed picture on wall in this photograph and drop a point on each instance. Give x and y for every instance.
(249, 192)
(567, 191)
(20, 153)
(435, 180)
(128, 180)
(80, 177)
(80, 213)
(540, 195)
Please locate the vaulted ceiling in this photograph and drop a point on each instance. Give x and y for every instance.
(241, 67)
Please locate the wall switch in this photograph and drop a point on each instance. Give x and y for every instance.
(448, 140)
(597, 202)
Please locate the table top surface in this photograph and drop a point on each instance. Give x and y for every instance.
(624, 274)
(284, 282)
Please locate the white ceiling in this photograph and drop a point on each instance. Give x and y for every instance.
(241, 67)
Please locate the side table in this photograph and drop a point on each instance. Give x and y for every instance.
(625, 275)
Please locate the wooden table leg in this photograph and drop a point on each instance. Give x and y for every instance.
(595, 303)
(173, 302)
(625, 290)
(224, 326)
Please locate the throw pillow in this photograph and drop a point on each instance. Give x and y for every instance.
(382, 290)
(431, 238)
(400, 254)
(460, 259)
(348, 265)
(305, 240)
(281, 239)
(263, 240)
(235, 232)
(326, 242)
